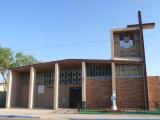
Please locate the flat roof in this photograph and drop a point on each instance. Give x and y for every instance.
(46, 65)
(69, 62)
(128, 29)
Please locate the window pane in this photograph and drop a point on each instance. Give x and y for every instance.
(99, 70)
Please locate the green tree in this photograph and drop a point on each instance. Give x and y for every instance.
(9, 60)
(20, 59)
(6, 61)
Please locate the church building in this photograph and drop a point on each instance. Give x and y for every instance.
(118, 83)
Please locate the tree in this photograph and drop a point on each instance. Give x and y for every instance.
(9, 60)
(21, 59)
(6, 61)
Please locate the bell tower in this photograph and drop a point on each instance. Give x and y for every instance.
(128, 58)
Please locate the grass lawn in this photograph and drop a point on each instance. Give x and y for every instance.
(85, 111)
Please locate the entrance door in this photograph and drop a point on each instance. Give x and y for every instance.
(75, 96)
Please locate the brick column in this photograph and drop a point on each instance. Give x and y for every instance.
(8, 99)
(31, 87)
(84, 84)
(114, 106)
(56, 86)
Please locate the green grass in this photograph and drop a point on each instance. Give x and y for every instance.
(92, 112)
(86, 111)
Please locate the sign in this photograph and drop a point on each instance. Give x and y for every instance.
(40, 89)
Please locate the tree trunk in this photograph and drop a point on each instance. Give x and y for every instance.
(5, 82)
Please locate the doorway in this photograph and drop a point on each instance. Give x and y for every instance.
(75, 96)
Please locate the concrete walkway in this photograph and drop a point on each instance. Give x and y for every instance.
(66, 111)
(52, 115)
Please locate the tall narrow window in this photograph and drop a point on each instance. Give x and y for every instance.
(98, 70)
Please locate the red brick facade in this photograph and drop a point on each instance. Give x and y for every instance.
(154, 92)
(130, 93)
(99, 93)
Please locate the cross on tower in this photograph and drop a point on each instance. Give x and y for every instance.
(142, 26)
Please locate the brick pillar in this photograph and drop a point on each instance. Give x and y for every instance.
(8, 99)
(31, 87)
(56, 86)
(84, 84)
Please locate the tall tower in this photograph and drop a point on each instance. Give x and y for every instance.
(129, 76)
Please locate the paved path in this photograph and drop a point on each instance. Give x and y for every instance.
(52, 115)
(66, 111)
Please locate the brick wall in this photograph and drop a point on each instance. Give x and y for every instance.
(98, 93)
(154, 92)
(130, 93)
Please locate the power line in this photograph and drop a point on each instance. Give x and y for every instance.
(76, 43)
(64, 45)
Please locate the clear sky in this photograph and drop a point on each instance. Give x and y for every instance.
(62, 29)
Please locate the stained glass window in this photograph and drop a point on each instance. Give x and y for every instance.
(126, 40)
(45, 78)
(70, 76)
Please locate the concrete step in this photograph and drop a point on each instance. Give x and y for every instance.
(66, 111)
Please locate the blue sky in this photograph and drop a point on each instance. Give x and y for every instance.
(61, 29)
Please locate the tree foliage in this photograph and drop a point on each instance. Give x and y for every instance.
(9, 60)
(20, 59)
(6, 58)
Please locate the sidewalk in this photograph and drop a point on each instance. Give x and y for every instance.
(51, 115)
